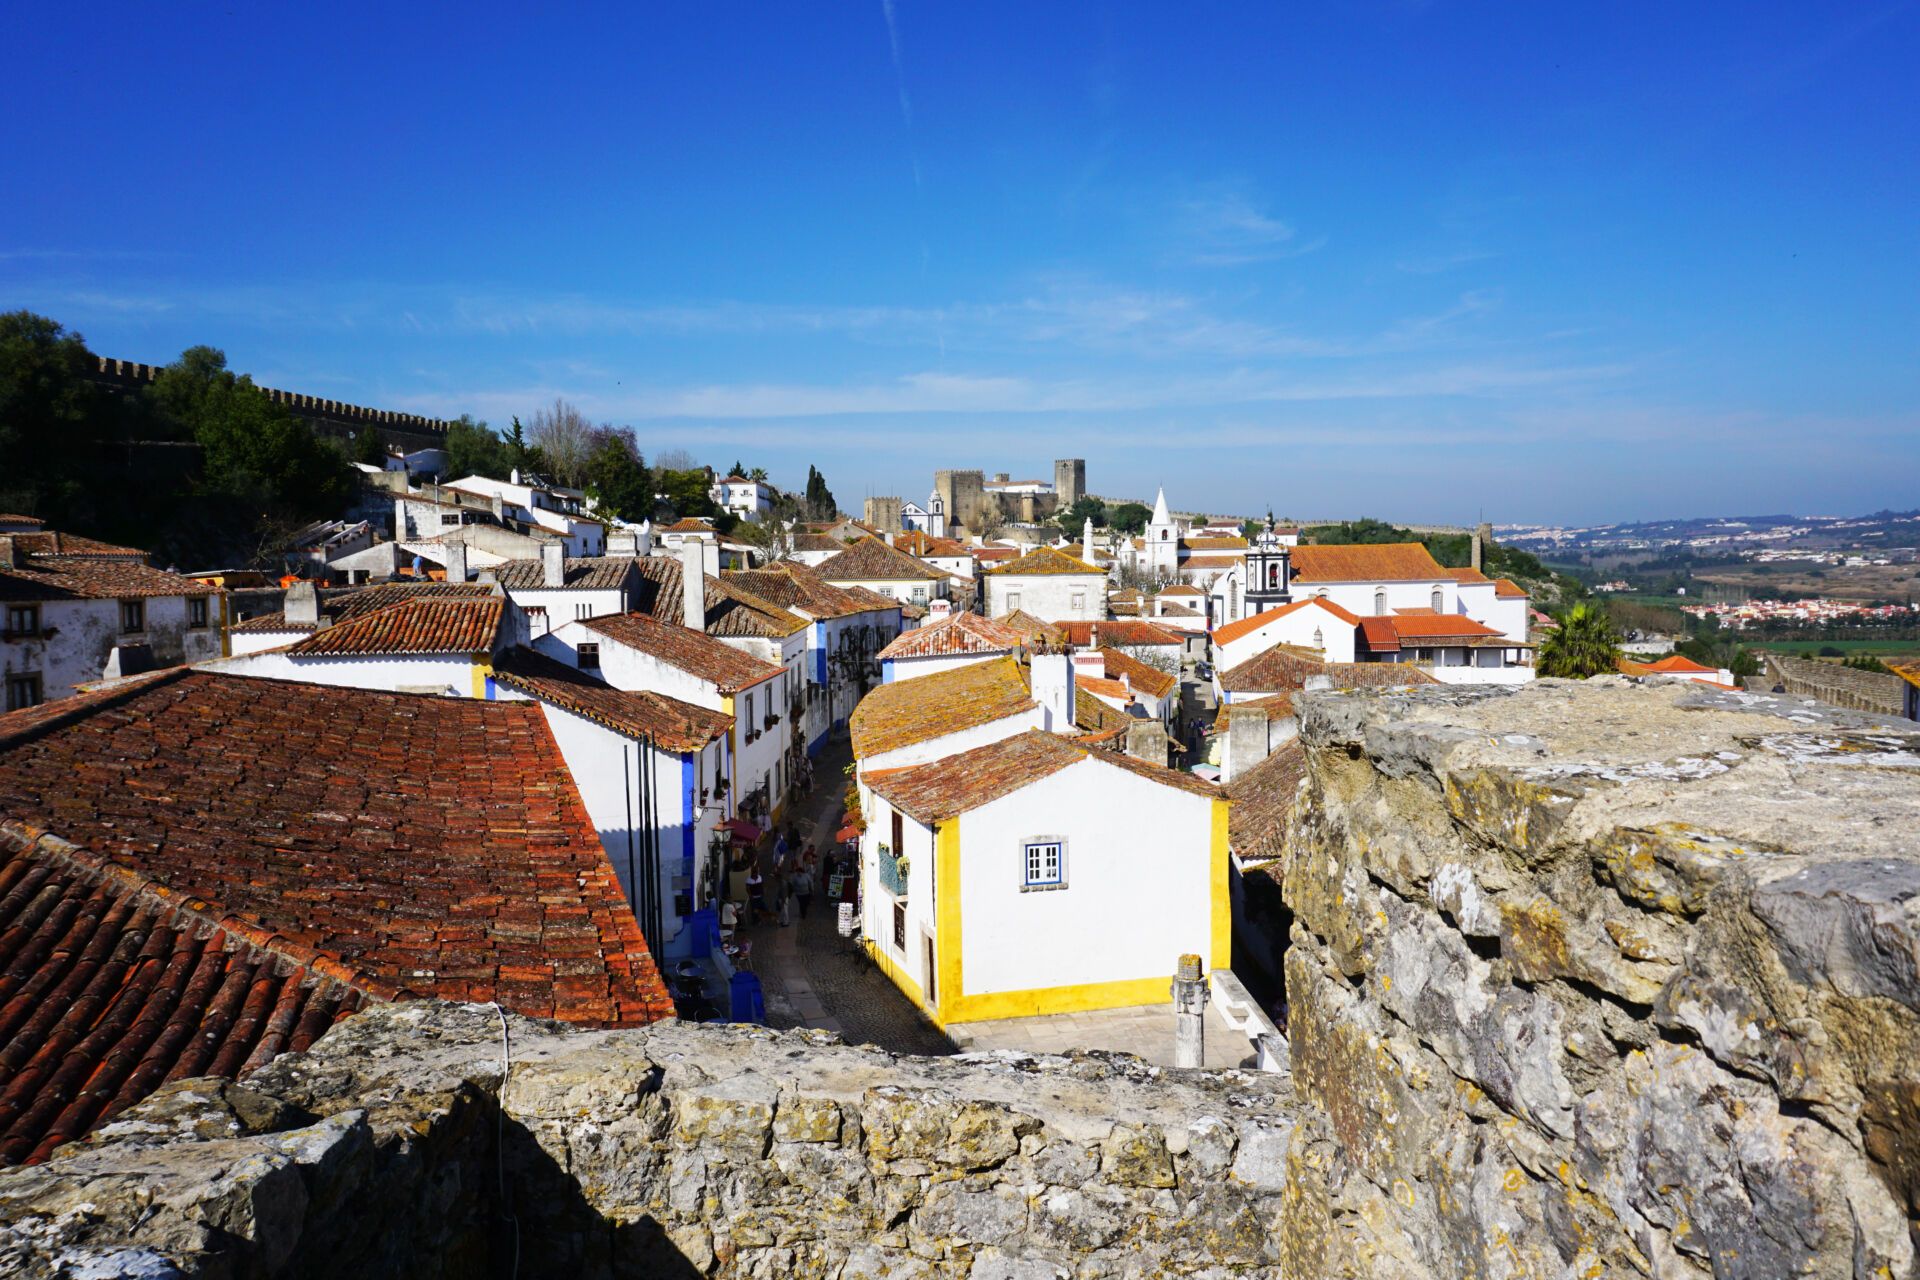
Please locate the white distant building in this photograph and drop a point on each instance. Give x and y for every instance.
(742, 496)
(930, 519)
(547, 507)
(1048, 584)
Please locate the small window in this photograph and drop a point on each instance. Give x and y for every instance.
(749, 712)
(899, 833)
(23, 690)
(449, 518)
(899, 926)
(887, 592)
(1379, 602)
(1439, 600)
(1013, 600)
(196, 612)
(23, 619)
(1079, 601)
(919, 595)
(1046, 864)
(589, 655)
(1319, 638)
(582, 612)
(133, 615)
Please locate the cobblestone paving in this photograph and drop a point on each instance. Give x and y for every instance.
(811, 976)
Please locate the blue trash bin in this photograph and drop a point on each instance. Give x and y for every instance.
(749, 1003)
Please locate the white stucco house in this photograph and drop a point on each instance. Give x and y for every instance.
(559, 588)
(1032, 875)
(637, 652)
(743, 496)
(1311, 623)
(547, 508)
(73, 609)
(957, 640)
(932, 717)
(1049, 584)
(422, 645)
(886, 571)
(648, 768)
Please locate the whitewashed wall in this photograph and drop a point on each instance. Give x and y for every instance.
(86, 631)
(1048, 596)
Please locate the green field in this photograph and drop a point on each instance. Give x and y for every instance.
(1809, 648)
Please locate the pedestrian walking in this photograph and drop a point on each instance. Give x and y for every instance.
(756, 895)
(803, 887)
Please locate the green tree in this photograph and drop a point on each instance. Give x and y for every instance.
(1129, 517)
(739, 468)
(369, 447)
(47, 412)
(617, 478)
(1073, 521)
(687, 493)
(758, 473)
(819, 499)
(523, 455)
(1584, 644)
(475, 449)
(265, 466)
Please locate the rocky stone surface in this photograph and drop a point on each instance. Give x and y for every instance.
(390, 1149)
(1603, 979)
(1585, 980)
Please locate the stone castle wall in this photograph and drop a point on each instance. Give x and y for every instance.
(1598, 979)
(331, 417)
(1838, 685)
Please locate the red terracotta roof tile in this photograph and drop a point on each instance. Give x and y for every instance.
(926, 707)
(694, 652)
(1391, 634)
(1262, 808)
(417, 626)
(871, 560)
(969, 779)
(1044, 561)
(1149, 680)
(668, 722)
(1508, 589)
(958, 633)
(1367, 562)
(1285, 668)
(1125, 631)
(1246, 626)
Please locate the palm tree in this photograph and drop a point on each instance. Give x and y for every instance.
(1585, 644)
(758, 473)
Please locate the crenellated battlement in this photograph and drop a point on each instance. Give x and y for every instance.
(335, 416)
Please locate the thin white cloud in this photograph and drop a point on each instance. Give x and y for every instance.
(900, 84)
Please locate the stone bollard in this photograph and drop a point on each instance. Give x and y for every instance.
(1190, 996)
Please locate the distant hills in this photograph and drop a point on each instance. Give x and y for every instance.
(1812, 533)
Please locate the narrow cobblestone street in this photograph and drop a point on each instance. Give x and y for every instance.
(811, 976)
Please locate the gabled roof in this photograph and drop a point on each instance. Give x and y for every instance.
(357, 602)
(1468, 576)
(1402, 630)
(694, 652)
(1209, 562)
(1508, 589)
(1033, 629)
(232, 871)
(49, 565)
(796, 587)
(959, 633)
(1181, 589)
(688, 524)
(731, 611)
(1097, 721)
(1248, 625)
(1285, 668)
(1214, 544)
(1080, 634)
(668, 723)
(917, 542)
(1148, 679)
(1044, 560)
(944, 789)
(582, 573)
(870, 559)
(1677, 664)
(415, 626)
(1367, 562)
(912, 711)
(1262, 808)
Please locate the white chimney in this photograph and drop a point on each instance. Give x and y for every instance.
(553, 564)
(693, 585)
(1052, 677)
(302, 604)
(456, 561)
(710, 556)
(1087, 541)
(644, 546)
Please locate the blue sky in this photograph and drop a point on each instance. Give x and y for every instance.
(1412, 260)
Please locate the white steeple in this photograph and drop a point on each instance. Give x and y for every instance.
(1160, 515)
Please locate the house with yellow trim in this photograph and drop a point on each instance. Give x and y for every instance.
(1041, 874)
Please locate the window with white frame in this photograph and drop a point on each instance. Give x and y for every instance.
(581, 612)
(196, 612)
(1044, 863)
(1013, 600)
(1079, 599)
(1439, 600)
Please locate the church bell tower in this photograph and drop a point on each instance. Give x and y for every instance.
(1269, 572)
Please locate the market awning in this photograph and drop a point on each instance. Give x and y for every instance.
(848, 832)
(743, 832)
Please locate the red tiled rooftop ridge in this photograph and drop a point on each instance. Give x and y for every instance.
(871, 560)
(669, 723)
(413, 626)
(694, 652)
(1367, 562)
(926, 707)
(1044, 560)
(959, 633)
(1247, 626)
(969, 779)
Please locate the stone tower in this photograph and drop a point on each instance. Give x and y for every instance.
(964, 494)
(1069, 481)
(883, 514)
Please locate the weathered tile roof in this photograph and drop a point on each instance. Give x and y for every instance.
(1101, 687)
(241, 844)
(958, 633)
(917, 542)
(1215, 544)
(792, 585)
(1043, 560)
(63, 566)
(1262, 802)
(1097, 721)
(669, 723)
(1210, 562)
(1032, 628)
(730, 610)
(969, 779)
(1376, 562)
(816, 542)
(1148, 679)
(1285, 668)
(1467, 576)
(697, 654)
(872, 600)
(1117, 631)
(347, 603)
(582, 573)
(414, 627)
(1390, 634)
(912, 711)
(872, 560)
(113, 989)
(1247, 626)
(688, 524)
(1508, 589)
